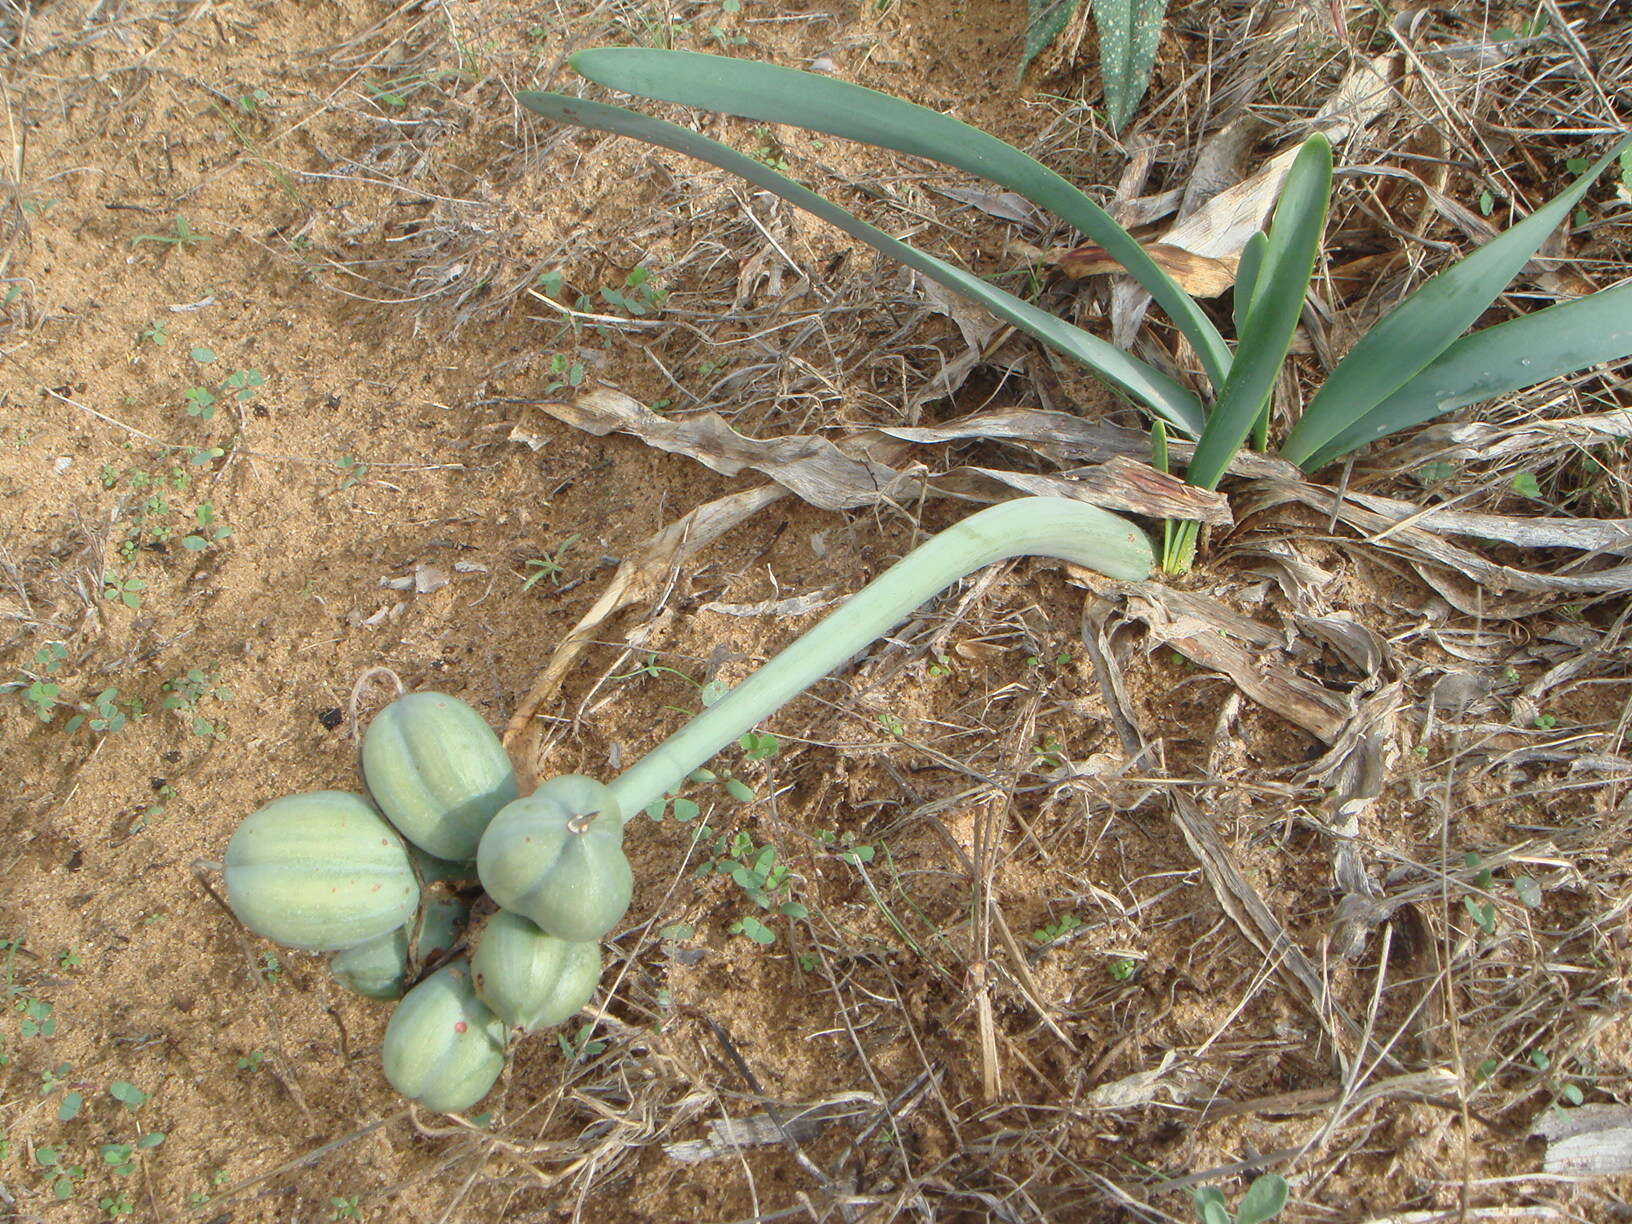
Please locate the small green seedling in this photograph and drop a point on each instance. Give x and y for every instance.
(103, 714)
(353, 471)
(1057, 929)
(43, 698)
(122, 1157)
(181, 237)
(568, 373)
(759, 745)
(152, 810)
(244, 383)
(1525, 484)
(846, 849)
(1532, 28)
(726, 38)
(128, 1095)
(550, 566)
(755, 870)
(767, 152)
(63, 1178)
(652, 669)
(39, 1022)
(1481, 908)
(583, 1046)
(209, 530)
(1566, 1092)
(127, 591)
(1262, 1201)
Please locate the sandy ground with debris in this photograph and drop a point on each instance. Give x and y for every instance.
(1314, 860)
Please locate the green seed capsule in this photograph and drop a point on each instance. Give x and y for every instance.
(532, 980)
(443, 1047)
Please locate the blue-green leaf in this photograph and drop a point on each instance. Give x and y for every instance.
(1277, 302)
(1263, 1200)
(1508, 357)
(1408, 339)
(771, 94)
(1161, 394)
(1246, 279)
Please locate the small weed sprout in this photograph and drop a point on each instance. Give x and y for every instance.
(1054, 931)
(181, 236)
(128, 1095)
(755, 870)
(1262, 1201)
(638, 296)
(209, 530)
(127, 591)
(352, 471)
(200, 403)
(63, 1178)
(184, 693)
(550, 566)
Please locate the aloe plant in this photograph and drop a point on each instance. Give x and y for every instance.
(1128, 33)
(1409, 369)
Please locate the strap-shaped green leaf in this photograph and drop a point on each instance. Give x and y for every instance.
(1129, 31)
(1246, 279)
(1404, 342)
(786, 95)
(1497, 360)
(1277, 302)
(1150, 387)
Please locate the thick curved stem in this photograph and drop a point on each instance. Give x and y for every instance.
(1030, 526)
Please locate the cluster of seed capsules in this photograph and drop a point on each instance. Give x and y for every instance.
(382, 885)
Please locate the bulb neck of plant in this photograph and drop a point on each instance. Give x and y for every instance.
(1032, 526)
(1179, 547)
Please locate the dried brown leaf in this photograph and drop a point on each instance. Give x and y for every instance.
(1214, 636)
(1197, 275)
(1402, 528)
(857, 471)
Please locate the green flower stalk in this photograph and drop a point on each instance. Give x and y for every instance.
(1029, 526)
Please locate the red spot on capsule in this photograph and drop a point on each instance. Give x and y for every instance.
(461, 1027)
